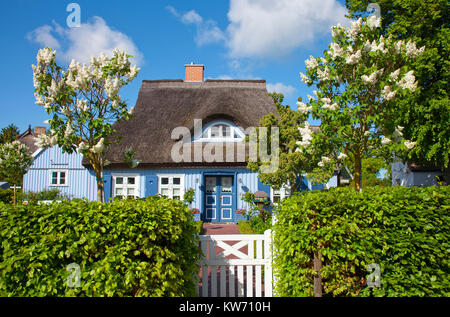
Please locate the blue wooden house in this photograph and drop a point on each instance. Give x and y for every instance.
(186, 134)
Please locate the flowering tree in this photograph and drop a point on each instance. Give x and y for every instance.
(359, 80)
(84, 102)
(292, 164)
(14, 162)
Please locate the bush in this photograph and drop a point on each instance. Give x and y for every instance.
(244, 227)
(261, 222)
(6, 195)
(124, 248)
(404, 230)
(46, 194)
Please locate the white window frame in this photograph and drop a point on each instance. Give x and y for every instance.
(285, 191)
(59, 171)
(170, 186)
(233, 130)
(125, 187)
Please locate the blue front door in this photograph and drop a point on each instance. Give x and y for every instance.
(219, 202)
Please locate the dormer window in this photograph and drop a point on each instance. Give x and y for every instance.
(221, 131)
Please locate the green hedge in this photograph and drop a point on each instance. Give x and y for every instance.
(124, 248)
(404, 230)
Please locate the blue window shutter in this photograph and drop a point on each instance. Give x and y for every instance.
(151, 185)
(263, 187)
(107, 184)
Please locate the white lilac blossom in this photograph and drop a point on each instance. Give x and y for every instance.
(385, 140)
(394, 74)
(83, 147)
(44, 140)
(337, 30)
(82, 105)
(311, 98)
(68, 130)
(336, 51)
(311, 63)
(342, 156)
(373, 22)
(45, 56)
(397, 136)
(303, 108)
(409, 144)
(305, 78)
(99, 147)
(332, 107)
(408, 81)
(325, 160)
(355, 28)
(387, 93)
(306, 134)
(412, 51)
(354, 58)
(324, 75)
(326, 100)
(372, 78)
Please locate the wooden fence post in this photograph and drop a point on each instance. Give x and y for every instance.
(318, 278)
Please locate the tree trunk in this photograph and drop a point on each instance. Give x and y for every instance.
(100, 187)
(358, 176)
(98, 168)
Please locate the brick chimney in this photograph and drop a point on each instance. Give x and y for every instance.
(39, 130)
(194, 72)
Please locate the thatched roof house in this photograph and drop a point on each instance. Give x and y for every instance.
(164, 105)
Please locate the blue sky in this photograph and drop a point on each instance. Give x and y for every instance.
(234, 39)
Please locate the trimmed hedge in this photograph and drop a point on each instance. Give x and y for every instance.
(124, 248)
(404, 230)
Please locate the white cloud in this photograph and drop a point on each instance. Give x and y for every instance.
(191, 17)
(80, 43)
(207, 31)
(267, 28)
(286, 90)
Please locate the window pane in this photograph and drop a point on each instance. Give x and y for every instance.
(276, 199)
(119, 180)
(215, 131)
(164, 181)
(176, 181)
(165, 191)
(176, 192)
(62, 178)
(210, 184)
(227, 184)
(177, 197)
(119, 191)
(131, 180)
(130, 192)
(226, 131)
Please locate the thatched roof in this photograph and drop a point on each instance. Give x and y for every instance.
(163, 105)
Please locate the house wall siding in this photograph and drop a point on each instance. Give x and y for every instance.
(246, 180)
(80, 181)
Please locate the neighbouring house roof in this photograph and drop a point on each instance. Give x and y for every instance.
(28, 138)
(163, 105)
(4, 185)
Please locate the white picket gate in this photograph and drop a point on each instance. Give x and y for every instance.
(243, 268)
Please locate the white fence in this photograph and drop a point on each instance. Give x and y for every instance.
(236, 265)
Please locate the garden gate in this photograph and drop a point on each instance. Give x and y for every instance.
(236, 265)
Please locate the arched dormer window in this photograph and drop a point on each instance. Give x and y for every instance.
(220, 131)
